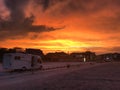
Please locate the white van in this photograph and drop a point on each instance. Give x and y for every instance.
(14, 61)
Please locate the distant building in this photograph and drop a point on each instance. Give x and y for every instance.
(77, 56)
(116, 56)
(83, 56)
(57, 56)
(108, 57)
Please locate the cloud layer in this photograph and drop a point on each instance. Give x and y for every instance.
(17, 24)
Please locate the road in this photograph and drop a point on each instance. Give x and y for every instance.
(87, 77)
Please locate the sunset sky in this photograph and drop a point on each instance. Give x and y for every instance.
(61, 25)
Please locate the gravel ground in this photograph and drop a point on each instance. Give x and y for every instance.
(106, 77)
(99, 77)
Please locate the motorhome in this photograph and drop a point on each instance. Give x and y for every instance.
(15, 61)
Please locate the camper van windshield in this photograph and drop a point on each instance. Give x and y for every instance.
(17, 57)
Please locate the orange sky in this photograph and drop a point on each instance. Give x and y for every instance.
(67, 25)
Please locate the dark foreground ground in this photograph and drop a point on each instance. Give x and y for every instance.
(99, 77)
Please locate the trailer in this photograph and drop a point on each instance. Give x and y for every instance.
(21, 61)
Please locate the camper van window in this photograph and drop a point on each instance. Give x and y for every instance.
(17, 57)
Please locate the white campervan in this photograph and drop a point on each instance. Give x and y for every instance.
(13, 61)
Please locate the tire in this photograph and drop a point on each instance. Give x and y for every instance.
(40, 67)
(24, 68)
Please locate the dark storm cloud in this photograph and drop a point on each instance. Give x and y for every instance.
(81, 6)
(89, 6)
(16, 8)
(107, 23)
(46, 4)
(17, 24)
(70, 6)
